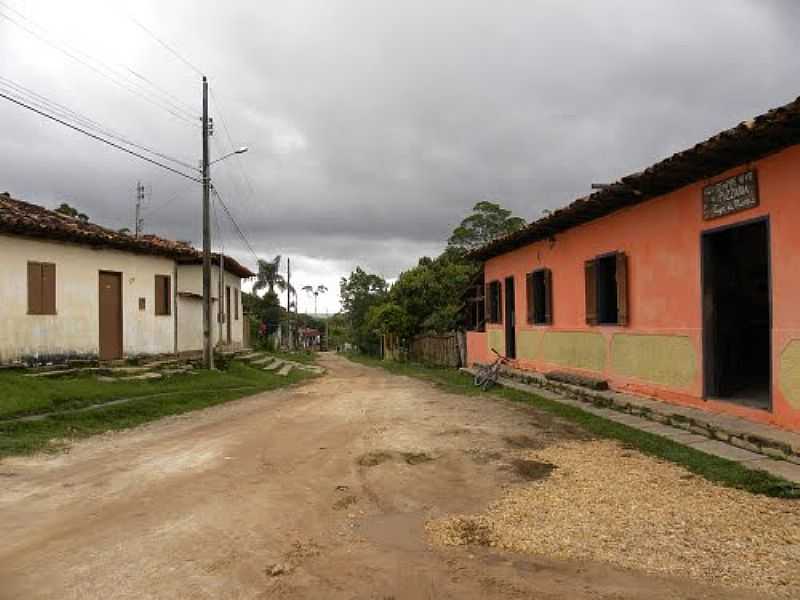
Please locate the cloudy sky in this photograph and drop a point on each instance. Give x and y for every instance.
(373, 125)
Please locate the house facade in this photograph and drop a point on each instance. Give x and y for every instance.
(75, 289)
(681, 282)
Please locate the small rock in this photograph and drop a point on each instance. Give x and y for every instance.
(278, 569)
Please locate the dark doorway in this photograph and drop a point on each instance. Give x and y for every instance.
(511, 329)
(110, 300)
(737, 323)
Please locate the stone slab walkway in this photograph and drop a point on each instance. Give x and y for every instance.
(706, 432)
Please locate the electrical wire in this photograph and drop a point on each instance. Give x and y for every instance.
(42, 102)
(169, 48)
(235, 224)
(97, 137)
(109, 73)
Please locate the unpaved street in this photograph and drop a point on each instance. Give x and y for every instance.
(320, 491)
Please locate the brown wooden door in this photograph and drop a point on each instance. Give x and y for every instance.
(110, 295)
(228, 310)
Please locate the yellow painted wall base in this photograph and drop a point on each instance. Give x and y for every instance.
(666, 360)
(575, 349)
(790, 373)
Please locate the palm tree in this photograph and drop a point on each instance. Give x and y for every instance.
(316, 291)
(269, 276)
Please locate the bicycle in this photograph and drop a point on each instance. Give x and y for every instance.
(487, 374)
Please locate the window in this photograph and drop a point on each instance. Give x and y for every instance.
(539, 286)
(494, 312)
(163, 297)
(236, 303)
(607, 290)
(41, 288)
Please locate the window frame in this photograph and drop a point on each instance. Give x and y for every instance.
(592, 289)
(163, 308)
(42, 299)
(530, 300)
(491, 307)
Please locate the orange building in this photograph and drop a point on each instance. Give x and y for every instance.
(680, 282)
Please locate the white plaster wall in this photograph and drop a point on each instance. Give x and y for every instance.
(190, 310)
(75, 327)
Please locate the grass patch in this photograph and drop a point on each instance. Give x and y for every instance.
(152, 400)
(713, 468)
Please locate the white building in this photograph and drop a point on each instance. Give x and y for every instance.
(74, 289)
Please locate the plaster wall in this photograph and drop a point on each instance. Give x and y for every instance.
(74, 329)
(659, 353)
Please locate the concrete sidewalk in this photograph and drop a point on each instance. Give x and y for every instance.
(753, 445)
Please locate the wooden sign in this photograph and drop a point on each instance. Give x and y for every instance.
(731, 195)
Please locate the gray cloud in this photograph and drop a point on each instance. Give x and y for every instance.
(374, 126)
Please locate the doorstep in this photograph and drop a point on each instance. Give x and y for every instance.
(754, 445)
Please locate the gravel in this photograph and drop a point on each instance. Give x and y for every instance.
(605, 503)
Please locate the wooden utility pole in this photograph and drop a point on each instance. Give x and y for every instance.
(289, 303)
(137, 226)
(208, 351)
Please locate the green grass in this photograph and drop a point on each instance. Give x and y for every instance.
(713, 468)
(153, 399)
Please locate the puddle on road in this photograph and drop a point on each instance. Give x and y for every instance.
(402, 531)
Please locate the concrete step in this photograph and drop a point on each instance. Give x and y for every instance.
(285, 369)
(274, 365)
(261, 361)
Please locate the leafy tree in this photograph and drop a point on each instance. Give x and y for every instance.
(66, 209)
(359, 293)
(487, 222)
(269, 276)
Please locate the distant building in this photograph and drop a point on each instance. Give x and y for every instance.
(69, 288)
(680, 282)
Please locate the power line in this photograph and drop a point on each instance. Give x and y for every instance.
(169, 48)
(21, 92)
(235, 224)
(242, 170)
(97, 137)
(109, 73)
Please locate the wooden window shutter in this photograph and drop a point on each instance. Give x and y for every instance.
(548, 296)
(488, 301)
(622, 288)
(529, 297)
(590, 270)
(48, 289)
(34, 288)
(162, 303)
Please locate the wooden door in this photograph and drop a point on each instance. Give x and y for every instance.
(228, 310)
(110, 296)
(511, 319)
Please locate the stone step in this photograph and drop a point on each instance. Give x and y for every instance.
(275, 364)
(285, 370)
(251, 356)
(262, 361)
(734, 431)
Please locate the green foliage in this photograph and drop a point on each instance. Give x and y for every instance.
(359, 293)
(269, 276)
(66, 209)
(487, 222)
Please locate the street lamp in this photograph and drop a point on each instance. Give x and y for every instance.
(241, 150)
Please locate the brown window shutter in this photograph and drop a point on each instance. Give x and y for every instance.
(590, 270)
(488, 301)
(48, 289)
(548, 296)
(163, 301)
(529, 296)
(499, 301)
(34, 288)
(622, 288)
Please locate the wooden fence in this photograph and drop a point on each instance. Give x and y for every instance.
(440, 350)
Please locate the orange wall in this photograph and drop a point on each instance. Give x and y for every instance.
(662, 240)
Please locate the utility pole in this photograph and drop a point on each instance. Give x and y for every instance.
(288, 303)
(139, 200)
(208, 351)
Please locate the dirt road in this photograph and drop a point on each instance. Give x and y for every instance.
(320, 491)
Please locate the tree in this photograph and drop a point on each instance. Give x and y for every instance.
(487, 222)
(359, 293)
(315, 291)
(66, 209)
(269, 276)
